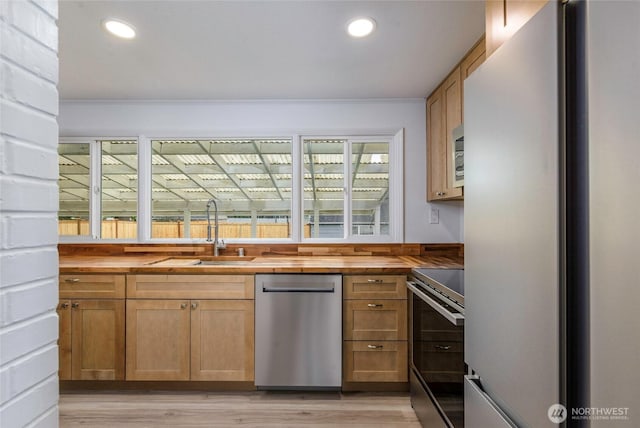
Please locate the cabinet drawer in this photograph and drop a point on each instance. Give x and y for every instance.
(375, 319)
(87, 286)
(375, 287)
(190, 286)
(375, 361)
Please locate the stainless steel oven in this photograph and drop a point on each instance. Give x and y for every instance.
(437, 346)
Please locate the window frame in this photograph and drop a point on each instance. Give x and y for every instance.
(95, 189)
(144, 213)
(396, 190)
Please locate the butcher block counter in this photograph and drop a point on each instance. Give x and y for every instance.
(249, 265)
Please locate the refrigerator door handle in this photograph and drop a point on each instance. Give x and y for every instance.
(480, 410)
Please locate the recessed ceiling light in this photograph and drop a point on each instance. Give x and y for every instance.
(119, 28)
(361, 27)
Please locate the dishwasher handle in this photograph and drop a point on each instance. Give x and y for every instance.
(306, 289)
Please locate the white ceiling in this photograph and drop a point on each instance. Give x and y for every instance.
(262, 49)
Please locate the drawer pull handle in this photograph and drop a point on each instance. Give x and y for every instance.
(375, 305)
(72, 280)
(442, 348)
(375, 281)
(375, 346)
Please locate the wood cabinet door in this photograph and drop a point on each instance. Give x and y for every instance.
(97, 339)
(375, 361)
(222, 340)
(436, 145)
(375, 287)
(64, 339)
(158, 339)
(375, 320)
(452, 93)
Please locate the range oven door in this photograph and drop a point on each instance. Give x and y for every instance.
(437, 360)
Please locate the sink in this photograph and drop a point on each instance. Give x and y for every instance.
(223, 262)
(204, 261)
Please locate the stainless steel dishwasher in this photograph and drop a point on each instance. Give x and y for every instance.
(298, 331)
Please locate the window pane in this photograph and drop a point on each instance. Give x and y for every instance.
(249, 178)
(324, 188)
(370, 188)
(73, 184)
(119, 189)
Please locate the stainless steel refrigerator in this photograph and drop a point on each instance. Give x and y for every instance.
(551, 214)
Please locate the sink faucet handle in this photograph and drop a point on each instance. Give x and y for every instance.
(221, 244)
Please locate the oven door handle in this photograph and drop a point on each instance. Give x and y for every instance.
(456, 319)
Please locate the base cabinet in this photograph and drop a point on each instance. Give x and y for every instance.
(91, 327)
(91, 339)
(375, 326)
(210, 340)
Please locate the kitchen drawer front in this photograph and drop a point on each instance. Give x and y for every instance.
(441, 361)
(373, 319)
(87, 286)
(190, 286)
(375, 287)
(375, 361)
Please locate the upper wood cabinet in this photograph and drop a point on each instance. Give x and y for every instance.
(504, 17)
(444, 114)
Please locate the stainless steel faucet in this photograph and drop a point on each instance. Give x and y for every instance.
(217, 244)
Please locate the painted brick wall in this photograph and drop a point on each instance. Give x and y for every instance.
(28, 219)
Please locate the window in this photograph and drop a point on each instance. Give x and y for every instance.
(109, 167)
(328, 194)
(74, 182)
(119, 189)
(296, 188)
(249, 178)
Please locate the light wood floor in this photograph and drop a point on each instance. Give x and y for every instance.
(246, 409)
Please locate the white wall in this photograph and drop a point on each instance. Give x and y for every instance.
(28, 214)
(199, 118)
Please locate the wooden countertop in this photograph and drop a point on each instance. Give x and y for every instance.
(163, 264)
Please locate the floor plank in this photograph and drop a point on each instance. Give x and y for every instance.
(245, 409)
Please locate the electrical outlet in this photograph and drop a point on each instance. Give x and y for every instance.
(434, 217)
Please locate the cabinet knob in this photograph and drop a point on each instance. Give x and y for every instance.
(72, 280)
(441, 193)
(194, 305)
(183, 306)
(375, 281)
(375, 305)
(64, 305)
(75, 305)
(375, 346)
